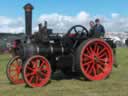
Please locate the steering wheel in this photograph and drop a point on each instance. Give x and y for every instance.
(74, 34)
(77, 30)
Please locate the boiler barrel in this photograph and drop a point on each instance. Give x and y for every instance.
(51, 49)
(45, 50)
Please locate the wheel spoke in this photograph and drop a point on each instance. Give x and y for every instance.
(95, 47)
(31, 78)
(18, 74)
(99, 67)
(44, 69)
(87, 63)
(12, 70)
(98, 49)
(88, 51)
(14, 76)
(34, 64)
(29, 74)
(103, 50)
(17, 62)
(91, 50)
(102, 55)
(101, 63)
(43, 74)
(75, 30)
(88, 56)
(43, 62)
(37, 62)
(13, 65)
(94, 71)
(90, 69)
(40, 78)
(37, 79)
(29, 68)
(105, 61)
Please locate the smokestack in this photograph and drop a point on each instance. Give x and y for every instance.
(28, 19)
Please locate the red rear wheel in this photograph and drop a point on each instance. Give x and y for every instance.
(14, 69)
(96, 59)
(37, 71)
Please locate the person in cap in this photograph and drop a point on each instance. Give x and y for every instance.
(99, 29)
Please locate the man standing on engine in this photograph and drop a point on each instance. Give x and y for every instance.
(99, 29)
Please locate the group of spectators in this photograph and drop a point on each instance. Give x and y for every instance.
(96, 29)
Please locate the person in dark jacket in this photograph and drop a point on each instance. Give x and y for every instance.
(99, 29)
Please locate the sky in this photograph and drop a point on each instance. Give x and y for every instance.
(62, 14)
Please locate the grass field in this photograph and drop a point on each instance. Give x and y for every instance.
(115, 85)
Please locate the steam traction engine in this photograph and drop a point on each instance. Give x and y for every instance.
(38, 56)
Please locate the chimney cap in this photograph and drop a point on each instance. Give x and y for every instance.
(28, 7)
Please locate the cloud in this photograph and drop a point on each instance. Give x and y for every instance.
(11, 25)
(4, 20)
(61, 23)
(115, 15)
(117, 23)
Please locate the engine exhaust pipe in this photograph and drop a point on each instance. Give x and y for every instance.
(28, 20)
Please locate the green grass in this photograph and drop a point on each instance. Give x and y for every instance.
(115, 85)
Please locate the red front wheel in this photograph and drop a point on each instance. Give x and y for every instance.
(14, 69)
(37, 71)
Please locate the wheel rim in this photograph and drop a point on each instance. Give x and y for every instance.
(14, 71)
(96, 59)
(37, 71)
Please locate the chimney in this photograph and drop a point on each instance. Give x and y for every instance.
(28, 19)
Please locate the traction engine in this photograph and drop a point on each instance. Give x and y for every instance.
(39, 55)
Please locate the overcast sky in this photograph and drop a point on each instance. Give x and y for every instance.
(62, 14)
